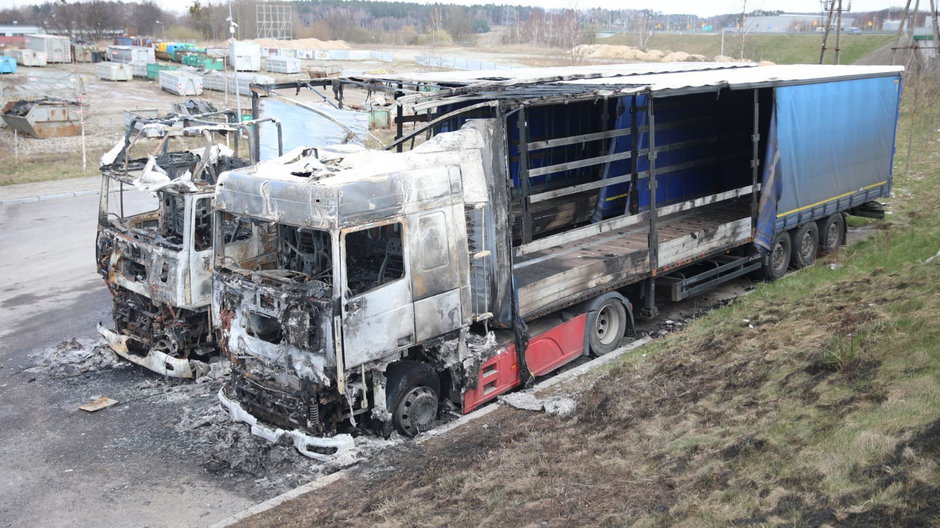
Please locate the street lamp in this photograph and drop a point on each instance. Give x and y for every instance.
(162, 30)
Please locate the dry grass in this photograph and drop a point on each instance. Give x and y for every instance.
(40, 167)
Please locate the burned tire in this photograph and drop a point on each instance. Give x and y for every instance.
(606, 325)
(805, 245)
(830, 232)
(412, 394)
(778, 260)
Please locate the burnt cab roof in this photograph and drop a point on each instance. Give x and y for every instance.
(344, 186)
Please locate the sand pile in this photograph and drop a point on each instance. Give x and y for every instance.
(307, 43)
(628, 53)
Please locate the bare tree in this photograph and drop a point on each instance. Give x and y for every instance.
(641, 27)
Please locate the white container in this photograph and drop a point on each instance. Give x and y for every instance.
(180, 83)
(139, 69)
(115, 71)
(28, 57)
(57, 49)
(245, 56)
(220, 82)
(283, 65)
(129, 54)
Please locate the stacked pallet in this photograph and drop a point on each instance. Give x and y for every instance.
(221, 82)
(283, 65)
(180, 82)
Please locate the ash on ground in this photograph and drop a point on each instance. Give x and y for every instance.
(229, 450)
(75, 357)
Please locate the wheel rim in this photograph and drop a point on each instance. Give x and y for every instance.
(832, 236)
(606, 325)
(417, 410)
(778, 257)
(807, 246)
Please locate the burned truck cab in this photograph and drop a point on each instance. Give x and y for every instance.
(154, 242)
(338, 273)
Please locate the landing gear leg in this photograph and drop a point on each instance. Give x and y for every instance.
(648, 293)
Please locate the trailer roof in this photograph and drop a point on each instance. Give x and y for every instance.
(569, 83)
(738, 78)
(552, 74)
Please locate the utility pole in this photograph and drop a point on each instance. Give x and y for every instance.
(231, 29)
(835, 10)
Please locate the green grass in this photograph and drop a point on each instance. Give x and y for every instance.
(782, 49)
(45, 167)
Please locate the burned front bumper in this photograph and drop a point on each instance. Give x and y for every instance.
(155, 360)
(318, 448)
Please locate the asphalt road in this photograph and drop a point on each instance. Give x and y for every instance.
(61, 466)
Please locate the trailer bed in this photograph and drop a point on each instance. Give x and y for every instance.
(564, 274)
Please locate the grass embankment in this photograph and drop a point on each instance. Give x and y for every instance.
(812, 401)
(30, 168)
(802, 48)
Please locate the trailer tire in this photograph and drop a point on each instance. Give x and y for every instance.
(412, 395)
(606, 325)
(805, 244)
(831, 231)
(777, 261)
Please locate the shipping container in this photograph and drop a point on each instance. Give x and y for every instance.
(57, 49)
(180, 83)
(245, 56)
(114, 71)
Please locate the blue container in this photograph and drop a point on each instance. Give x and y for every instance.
(7, 65)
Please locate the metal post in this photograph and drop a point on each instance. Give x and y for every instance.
(524, 175)
(651, 182)
(255, 110)
(649, 285)
(755, 161)
(634, 159)
(399, 116)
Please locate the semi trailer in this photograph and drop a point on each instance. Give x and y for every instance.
(525, 222)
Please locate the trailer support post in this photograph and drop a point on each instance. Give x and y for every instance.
(399, 118)
(755, 162)
(649, 309)
(634, 159)
(524, 175)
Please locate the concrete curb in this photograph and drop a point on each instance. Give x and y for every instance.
(45, 197)
(326, 480)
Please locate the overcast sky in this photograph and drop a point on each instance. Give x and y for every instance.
(695, 7)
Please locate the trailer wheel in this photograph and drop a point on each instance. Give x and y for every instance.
(777, 262)
(606, 325)
(805, 244)
(830, 232)
(412, 396)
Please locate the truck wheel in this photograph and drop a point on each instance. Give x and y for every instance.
(830, 232)
(412, 396)
(606, 326)
(778, 260)
(805, 245)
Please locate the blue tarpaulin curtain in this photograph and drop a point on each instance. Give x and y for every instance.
(834, 137)
(771, 187)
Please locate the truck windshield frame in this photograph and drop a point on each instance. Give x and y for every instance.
(275, 251)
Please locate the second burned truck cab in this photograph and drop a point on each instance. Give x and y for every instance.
(337, 274)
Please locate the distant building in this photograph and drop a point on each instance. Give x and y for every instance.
(791, 23)
(14, 35)
(16, 30)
